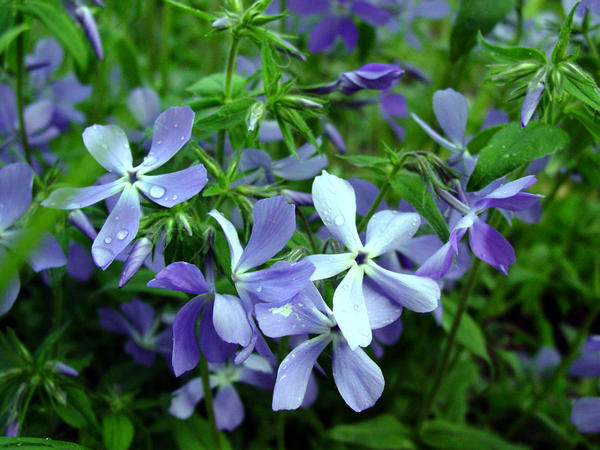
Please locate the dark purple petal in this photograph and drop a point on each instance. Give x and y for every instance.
(451, 110)
(172, 130)
(494, 117)
(518, 202)
(144, 104)
(185, 399)
(173, 188)
(274, 225)
(47, 57)
(253, 158)
(530, 103)
(15, 192)
(70, 90)
(371, 14)
(214, 349)
(279, 282)
(181, 276)
(47, 254)
(390, 333)
(348, 32)
(231, 320)
(75, 198)
(358, 379)
(394, 105)
(490, 246)
(370, 76)
(294, 372)
(366, 193)
(588, 364)
(9, 292)
(140, 355)
(140, 314)
(113, 321)
(586, 415)
(306, 167)
(86, 19)
(257, 371)
(109, 146)
(229, 411)
(119, 230)
(186, 352)
(438, 264)
(308, 7)
(323, 34)
(335, 137)
(65, 369)
(79, 262)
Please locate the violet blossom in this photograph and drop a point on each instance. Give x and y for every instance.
(109, 146)
(83, 14)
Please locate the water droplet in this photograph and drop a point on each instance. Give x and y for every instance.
(176, 125)
(157, 191)
(107, 240)
(339, 221)
(117, 218)
(104, 146)
(355, 307)
(158, 142)
(149, 160)
(122, 234)
(174, 197)
(182, 138)
(259, 289)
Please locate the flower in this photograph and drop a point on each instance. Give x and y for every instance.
(15, 197)
(274, 225)
(138, 322)
(358, 379)
(108, 145)
(588, 364)
(228, 408)
(335, 202)
(370, 76)
(84, 16)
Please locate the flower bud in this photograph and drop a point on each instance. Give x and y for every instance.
(80, 221)
(138, 254)
(370, 76)
(223, 23)
(255, 115)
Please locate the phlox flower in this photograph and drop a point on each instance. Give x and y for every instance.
(109, 146)
(335, 202)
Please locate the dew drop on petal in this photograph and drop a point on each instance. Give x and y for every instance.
(174, 197)
(176, 125)
(117, 218)
(149, 160)
(158, 142)
(107, 240)
(122, 234)
(355, 307)
(259, 289)
(157, 191)
(182, 138)
(339, 221)
(104, 146)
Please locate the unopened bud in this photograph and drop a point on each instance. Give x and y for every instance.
(255, 115)
(138, 254)
(223, 23)
(80, 221)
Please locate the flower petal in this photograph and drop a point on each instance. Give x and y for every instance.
(119, 230)
(214, 349)
(416, 293)
(173, 188)
(586, 415)
(186, 352)
(451, 110)
(274, 225)
(530, 103)
(358, 379)
(327, 266)
(109, 146)
(185, 399)
(434, 134)
(229, 411)
(172, 130)
(85, 17)
(235, 248)
(335, 202)
(350, 311)
(15, 192)
(9, 292)
(230, 320)
(348, 32)
(180, 276)
(490, 246)
(47, 254)
(294, 372)
(144, 104)
(79, 263)
(438, 264)
(114, 321)
(371, 14)
(323, 34)
(75, 198)
(140, 314)
(382, 311)
(387, 230)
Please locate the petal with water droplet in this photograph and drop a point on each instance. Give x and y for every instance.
(173, 188)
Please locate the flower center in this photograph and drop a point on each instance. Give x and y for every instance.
(361, 258)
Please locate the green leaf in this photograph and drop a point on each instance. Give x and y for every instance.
(127, 56)
(194, 11)
(376, 163)
(214, 84)
(117, 431)
(510, 54)
(225, 117)
(512, 147)
(482, 139)
(469, 333)
(78, 411)
(270, 70)
(10, 35)
(412, 189)
(195, 433)
(60, 25)
(450, 435)
(588, 121)
(380, 432)
(474, 16)
(582, 90)
(26, 443)
(563, 38)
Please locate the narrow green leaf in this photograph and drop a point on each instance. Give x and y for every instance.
(380, 432)
(469, 333)
(127, 56)
(194, 11)
(117, 431)
(512, 147)
(450, 435)
(60, 25)
(589, 121)
(510, 54)
(225, 117)
(412, 189)
(563, 38)
(270, 70)
(10, 36)
(27, 443)
(474, 16)
(78, 411)
(581, 90)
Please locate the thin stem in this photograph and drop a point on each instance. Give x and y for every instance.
(586, 34)
(449, 344)
(167, 13)
(282, 8)
(20, 81)
(306, 226)
(363, 223)
(280, 430)
(208, 401)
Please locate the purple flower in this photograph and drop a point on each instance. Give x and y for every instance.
(229, 410)
(586, 415)
(485, 241)
(370, 76)
(335, 202)
(451, 110)
(108, 145)
(588, 364)
(543, 363)
(358, 379)
(531, 101)
(274, 224)
(84, 16)
(15, 197)
(325, 32)
(139, 323)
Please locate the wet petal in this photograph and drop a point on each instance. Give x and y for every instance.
(109, 146)
(181, 276)
(387, 230)
(235, 248)
(350, 311)
(327, 266)
(230, 320)
(173, 188)
(75, 198)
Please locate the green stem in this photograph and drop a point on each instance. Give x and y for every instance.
(167, 13)
(280, 430)
(363, 223)
(20, 80)
(306, 226)
(449, 344)
(586, 34)
(282, 8)
(208, 401)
